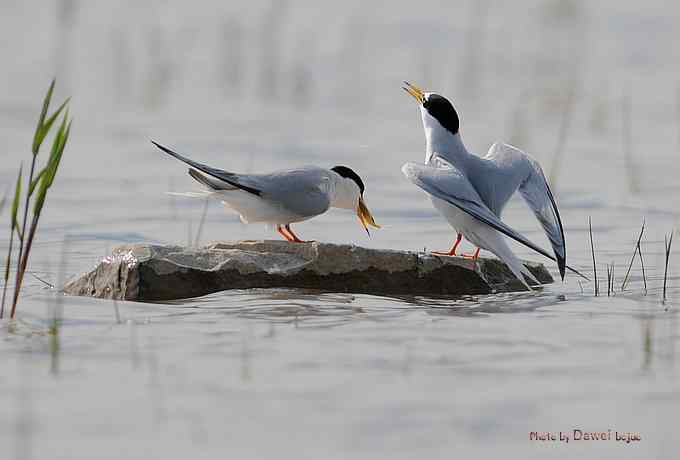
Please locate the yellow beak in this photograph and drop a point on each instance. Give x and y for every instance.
(414, 91)
(365, 216)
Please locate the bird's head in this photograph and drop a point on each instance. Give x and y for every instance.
(349, 194)
(437, 111)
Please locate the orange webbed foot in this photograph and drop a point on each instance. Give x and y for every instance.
(474, 256)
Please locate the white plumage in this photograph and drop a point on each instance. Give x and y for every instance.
(282, 197)
(471, 191)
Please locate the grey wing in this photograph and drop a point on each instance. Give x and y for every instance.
(302, 191)
(452, 186)
(229, 178)
(499, 174)
(537, 194)
(539, 197)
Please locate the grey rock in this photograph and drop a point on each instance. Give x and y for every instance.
(148, 272)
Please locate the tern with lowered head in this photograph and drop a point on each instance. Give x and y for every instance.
(283, 197)
(471, 191)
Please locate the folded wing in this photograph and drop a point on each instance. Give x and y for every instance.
(302, 191)
(226, 176)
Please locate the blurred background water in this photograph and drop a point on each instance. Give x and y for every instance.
(591, 89)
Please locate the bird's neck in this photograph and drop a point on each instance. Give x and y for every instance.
(447, 145)
(342, 193)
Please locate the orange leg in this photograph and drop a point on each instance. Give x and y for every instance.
(293, 235)
(284, 234)
(452, 252)
(474, 256)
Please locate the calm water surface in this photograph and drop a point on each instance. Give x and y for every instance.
(256, 86)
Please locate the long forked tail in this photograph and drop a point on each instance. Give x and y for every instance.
(212, 185)
(209, 182)
(520, 271)
(515, 265)
(200, 194)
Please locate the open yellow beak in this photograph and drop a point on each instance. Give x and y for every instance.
(414, 91)
(365, 216)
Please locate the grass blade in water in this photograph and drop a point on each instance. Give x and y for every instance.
(632, 259)
(13, 226)
(592, 249)
(668, 241)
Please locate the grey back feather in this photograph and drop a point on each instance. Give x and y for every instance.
(303, 191)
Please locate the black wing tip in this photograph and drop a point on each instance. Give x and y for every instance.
(562, 266)
(163, 148)
(208, 170)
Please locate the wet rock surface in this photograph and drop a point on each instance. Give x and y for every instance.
(148, 272)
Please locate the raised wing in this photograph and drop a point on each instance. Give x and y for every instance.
(535, 190)
(450, 185)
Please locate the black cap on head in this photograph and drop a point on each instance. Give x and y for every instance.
(442, 110)
(344, 171)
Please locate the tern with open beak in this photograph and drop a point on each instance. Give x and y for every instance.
(471, 191)
(283, 197)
